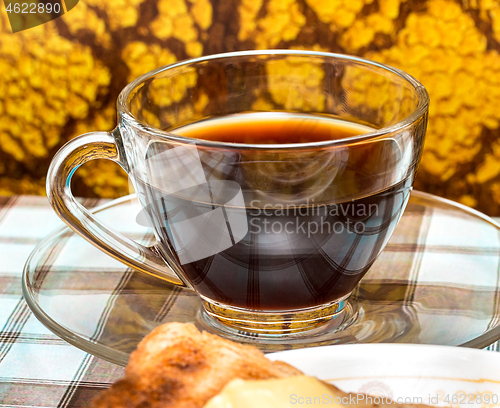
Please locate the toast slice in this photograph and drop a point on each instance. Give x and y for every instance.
(177, 366)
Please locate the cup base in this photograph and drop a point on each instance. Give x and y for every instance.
(275, 324)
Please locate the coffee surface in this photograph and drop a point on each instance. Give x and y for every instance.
(272, 128)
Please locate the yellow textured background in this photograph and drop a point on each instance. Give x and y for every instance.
(61, 79)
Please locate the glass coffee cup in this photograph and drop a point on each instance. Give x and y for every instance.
(272, 180)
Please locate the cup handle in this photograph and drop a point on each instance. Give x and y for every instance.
(90, 146)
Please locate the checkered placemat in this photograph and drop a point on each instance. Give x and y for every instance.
(38, 369)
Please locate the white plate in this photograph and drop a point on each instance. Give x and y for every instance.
(410, 373)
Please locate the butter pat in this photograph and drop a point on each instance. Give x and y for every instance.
(276, 393)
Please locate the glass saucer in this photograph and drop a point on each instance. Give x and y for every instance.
(437, 282)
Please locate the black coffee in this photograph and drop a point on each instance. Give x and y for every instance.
(301, 247)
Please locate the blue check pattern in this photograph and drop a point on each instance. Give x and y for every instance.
(37, 368)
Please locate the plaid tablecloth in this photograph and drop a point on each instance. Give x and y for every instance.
(37, 368)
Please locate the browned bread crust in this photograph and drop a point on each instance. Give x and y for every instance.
(177, 366)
